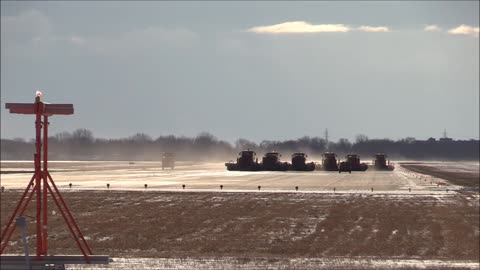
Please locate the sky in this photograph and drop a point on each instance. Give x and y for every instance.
(254, 70)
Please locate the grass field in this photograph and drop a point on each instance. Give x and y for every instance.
(269, 225)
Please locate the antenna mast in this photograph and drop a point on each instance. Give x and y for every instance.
(326, 138)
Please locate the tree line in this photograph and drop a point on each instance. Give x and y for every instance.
(82, 145)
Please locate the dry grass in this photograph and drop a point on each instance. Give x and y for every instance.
(268, 225)
(466, 179)
(280, 264)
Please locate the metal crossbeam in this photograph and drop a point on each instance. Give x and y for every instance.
(45, 108)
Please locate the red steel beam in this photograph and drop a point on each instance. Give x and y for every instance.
(24, 108)
(63, 109)
(45, 183)
(46, 108)
(38, 176)
(18, 206)
(6, 234)
(75, 237)
(69, 213)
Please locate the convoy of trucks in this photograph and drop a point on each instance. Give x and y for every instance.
(247, 161)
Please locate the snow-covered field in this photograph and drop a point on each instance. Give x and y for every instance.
(279, 263)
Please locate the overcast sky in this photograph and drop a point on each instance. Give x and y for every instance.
(254, 70)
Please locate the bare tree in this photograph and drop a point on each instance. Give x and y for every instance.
(360, 138)
(82, 136)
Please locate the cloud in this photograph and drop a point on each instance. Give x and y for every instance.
(464, 30)
(232, 44)
(299, 27)
(366, 28)
(432, 28)
(137, 41)
(78, 40)
(32, 28)
(28, 26)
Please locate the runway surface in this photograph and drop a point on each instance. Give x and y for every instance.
(209, 177)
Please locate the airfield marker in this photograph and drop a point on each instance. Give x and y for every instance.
(43, 181)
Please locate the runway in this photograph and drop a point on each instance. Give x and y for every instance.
(210, 176)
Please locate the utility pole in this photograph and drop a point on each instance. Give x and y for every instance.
(326, 138)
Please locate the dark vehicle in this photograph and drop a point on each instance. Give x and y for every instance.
(329, 162)
(246, 161)
(382, 164)
(352, 164)
(299, 163)
(271, 162)
(168, 160)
